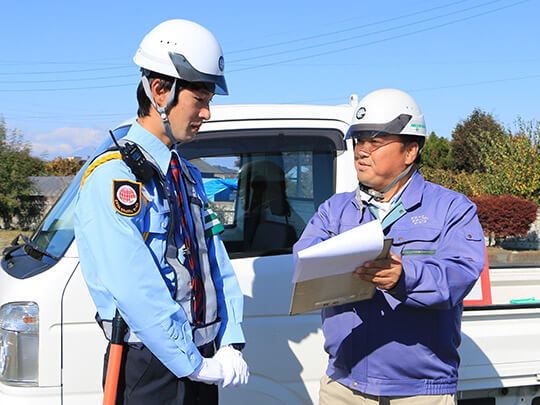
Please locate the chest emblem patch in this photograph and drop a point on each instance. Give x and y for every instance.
(127, 197)
(419, 219)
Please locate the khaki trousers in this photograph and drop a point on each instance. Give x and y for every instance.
(334, 393)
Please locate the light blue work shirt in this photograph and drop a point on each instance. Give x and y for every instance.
(126, 272)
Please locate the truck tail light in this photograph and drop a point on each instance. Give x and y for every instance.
(19, 337)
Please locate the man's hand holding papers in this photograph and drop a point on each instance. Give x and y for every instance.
(340, 254)
(384, 273)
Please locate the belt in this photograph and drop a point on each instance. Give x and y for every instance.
(206, 350)
(106, 327)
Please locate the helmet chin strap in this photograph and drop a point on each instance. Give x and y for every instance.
(162, 110)
(379, 195)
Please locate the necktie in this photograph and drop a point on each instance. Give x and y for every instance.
(197, 286)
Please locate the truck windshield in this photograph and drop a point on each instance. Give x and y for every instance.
(55, 233)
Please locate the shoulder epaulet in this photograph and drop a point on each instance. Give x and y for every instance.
(100, 160)
(97, 162)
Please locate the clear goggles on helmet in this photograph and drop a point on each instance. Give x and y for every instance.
(362, 131)
(215, 83)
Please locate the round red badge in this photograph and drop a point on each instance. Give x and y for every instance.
(126, 195)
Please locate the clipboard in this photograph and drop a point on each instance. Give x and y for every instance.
(333, 290)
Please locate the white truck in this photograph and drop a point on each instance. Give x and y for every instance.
(266, 168)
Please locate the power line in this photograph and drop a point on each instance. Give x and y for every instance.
(56, 62)
(344, 30)
(459, 62)
(378, 41)
(344, 99)
(452, 86)
(261, 65)
(125, 66)
(65, 88)
(365, 35)
(65, 80)
(60, 116)
(66, 71)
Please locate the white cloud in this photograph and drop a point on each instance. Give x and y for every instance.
(66, 142)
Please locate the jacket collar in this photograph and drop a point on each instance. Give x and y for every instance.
(409, 196)
(412, 195)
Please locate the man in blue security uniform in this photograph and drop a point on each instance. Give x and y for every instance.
(399, 347)
(150, 248)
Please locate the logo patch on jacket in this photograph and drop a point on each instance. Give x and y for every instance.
(212, 225)
(419, 219)
(127, 197)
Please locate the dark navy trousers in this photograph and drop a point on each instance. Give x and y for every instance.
(144, 380)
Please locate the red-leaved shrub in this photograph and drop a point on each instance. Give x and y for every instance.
(505, 215)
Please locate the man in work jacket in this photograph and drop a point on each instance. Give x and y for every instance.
(399, 347)
(150, 248)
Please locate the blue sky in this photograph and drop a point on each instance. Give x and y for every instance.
(67, 76)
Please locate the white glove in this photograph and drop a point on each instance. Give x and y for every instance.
(235, 369)
(209, 372)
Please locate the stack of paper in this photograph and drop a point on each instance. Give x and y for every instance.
(323, 275)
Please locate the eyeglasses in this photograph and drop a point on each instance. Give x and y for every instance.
(370, 145)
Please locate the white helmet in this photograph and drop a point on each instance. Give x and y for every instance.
(184, 50)
(385, 112)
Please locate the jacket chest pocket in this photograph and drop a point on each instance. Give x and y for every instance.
(419, 241)
(157, 223)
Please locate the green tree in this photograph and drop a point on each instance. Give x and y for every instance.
(16, 165)
(63, 167)
(505, 163)
(512, 162)
(479, 128)
(436, 152)
(470, 184)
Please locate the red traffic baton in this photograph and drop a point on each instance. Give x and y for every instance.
(115, 359)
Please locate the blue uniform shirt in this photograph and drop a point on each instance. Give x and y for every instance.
(403, 342)
(122, 260)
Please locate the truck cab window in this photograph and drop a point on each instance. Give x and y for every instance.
(264, 191)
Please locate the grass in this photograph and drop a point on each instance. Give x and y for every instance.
(6, 236)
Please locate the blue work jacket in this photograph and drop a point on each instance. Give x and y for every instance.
(122, 259)
(403, 342)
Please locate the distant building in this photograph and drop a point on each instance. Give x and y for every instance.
(50, 188)
(213, 171)
(45, 192)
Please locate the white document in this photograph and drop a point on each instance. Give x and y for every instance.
(341, 254)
